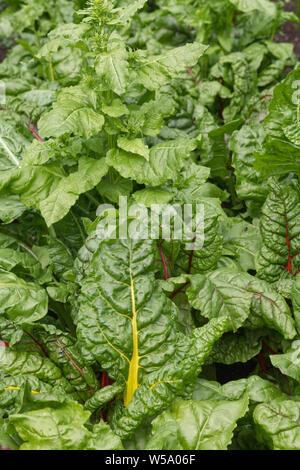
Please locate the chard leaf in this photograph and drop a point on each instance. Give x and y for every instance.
(216, 294)
(243, 143)
(21, 301)
(73, 113)
(280, 232)
(166, 160)
(11, 208)
(113, 66)
(68, 190)
(205, 425)
(15, 363)
(278, 424)
(154, 72)
(147, 353)
(136, 146)
(289, 363)
(239, 347)
(258, 390)
(62, 428)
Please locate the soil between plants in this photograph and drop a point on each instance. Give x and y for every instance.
(291, 32)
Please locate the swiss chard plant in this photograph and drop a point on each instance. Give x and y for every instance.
(140, 342)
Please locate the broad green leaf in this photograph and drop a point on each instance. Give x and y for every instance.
(156, 71)
(73, 113)
(278, 424)
(16, 363)
(280, 232)
(24, 264)
(249, 5)
(11, 208)
(258, 390)
(6, 441)
(115, 109)
(59, 202)
(202, 425)
(39, 153)
(166, 160)
(22, 392)
(122, 15)
(63, 351)
(235, 295)
(160, 387)
(150, 196)
(148, 118)
(136, 146)
(221, 293)
(129, 355)
(62, 36)
(281, 150)
(119, 288)
(113, 66)
(239, 347)
(62, 428)
(289, 362)
(202, 255)
(242, 241)
(103, 396)
(243, 143)
(21, 301)
(12, 145)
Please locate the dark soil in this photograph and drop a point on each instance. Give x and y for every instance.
(291, 31)
(2, 52)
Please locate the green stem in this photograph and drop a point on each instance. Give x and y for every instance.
(297, 7)
(78, 225)
(92, 199)
(52, 232)
(51, 68)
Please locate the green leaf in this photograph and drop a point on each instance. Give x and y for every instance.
(205, 425)
(6, 441)
(150, 196)
(258, 390)
(11, 208)
(221, 293)
(156, 71)
(59, 202)
(289, 362)
(243, 143)
(73, 113)
(144, 347)
(250, 5)
(115, 109)
(242, 241)
(126, 13)
(21, 301)
(136, 146)
(278, 424)
(62, 428)
(166, 160)
(239, 347)
(113, 66)
(281, 150)
(234, 294)
(127, 355)
(280, 230)
(15, 363)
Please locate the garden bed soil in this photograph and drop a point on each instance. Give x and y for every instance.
(291, 32)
